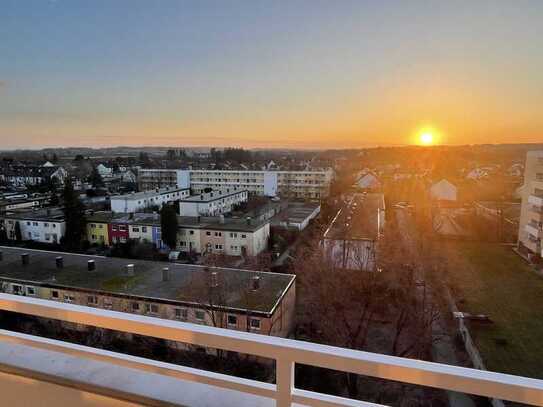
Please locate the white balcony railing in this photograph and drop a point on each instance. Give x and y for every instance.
(285, 352)
(535, 200)
(533, 230)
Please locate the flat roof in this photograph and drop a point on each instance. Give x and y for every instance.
(358, 219)
(147, 194)
(194, 222)
(42, 214)
(296, 212)
(188, 284)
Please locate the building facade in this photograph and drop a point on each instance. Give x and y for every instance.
(139, 201)
(313, 184)
(242, 300)
(531, 213)
(212, 203)
(43, 225)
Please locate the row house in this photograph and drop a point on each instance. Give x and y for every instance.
(32, 175)
(196, 234)
(139, 201)
(242, 300)
(42, 225)
(213, 203)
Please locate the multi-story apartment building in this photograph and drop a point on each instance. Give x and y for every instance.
(242, 300)
(531, 214)
(314, 184)
(138, 201)
(212, 203)
(45, 225)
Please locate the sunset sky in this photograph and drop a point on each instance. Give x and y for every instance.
(256, 73)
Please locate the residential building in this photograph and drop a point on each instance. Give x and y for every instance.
(296, 215)
(530, 229)
(98, 228)
(444, 191)
(368, 182)
(350, 241)
(139, 201)
(24, 175)
(45, 225)
(212, 203)
(243, 300)
(310, 184)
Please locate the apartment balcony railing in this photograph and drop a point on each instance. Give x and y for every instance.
(285, 352)
(533, 230)
(535, 200)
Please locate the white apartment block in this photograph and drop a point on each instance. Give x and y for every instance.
(139, 201)
(212, 203)
(531, 213)
(296, 184)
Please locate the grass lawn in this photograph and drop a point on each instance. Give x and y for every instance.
(490, 279)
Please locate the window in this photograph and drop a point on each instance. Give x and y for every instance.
(199, 315)
(28, 223)
(69, 298)
(92, 300)
(34, 223)
(232, 320)
(114, 228)
(151, 308)
(93, 237)
(208, 233)
(122, 239)
(46, 224)
(181, 313)
(93, 226)
(108, 304)
(218, 247)
(233, 235)
(255, 323)
(99, 226)
(243, 236)
(54, 294)
(134, 229)
(17, 289)
(54, 225)
(30, 290)
(217, 234)
(144, 229)
(135, 306)
(122, 228)
(191, 232)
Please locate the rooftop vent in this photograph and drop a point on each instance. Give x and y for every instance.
(249, 220)
(91, 266)
(59, 262)
(130, 269)
(214, 279)
(166, 274)
(25, 259)
(255, 283)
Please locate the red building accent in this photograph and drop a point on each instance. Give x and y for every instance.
(118, 232)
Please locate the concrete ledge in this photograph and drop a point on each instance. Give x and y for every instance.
(31, 376)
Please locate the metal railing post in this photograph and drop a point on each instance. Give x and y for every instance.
(284, 376)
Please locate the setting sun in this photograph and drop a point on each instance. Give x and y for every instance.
(426, 138)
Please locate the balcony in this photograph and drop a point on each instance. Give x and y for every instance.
(533, 230)
(535, 200)
(36, 370)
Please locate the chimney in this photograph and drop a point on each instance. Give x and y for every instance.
(214, 279)
(255, 283)
(25, 258)
(59, 262)
(202, 197)
(91, 266)
(130, 269)
(221, 218)
(166, 274)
